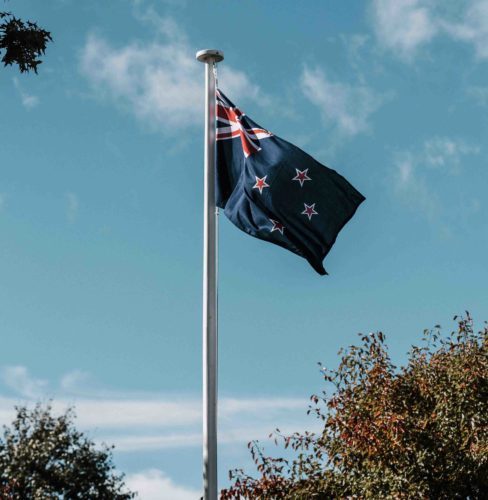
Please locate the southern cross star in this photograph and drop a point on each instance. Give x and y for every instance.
(277, 226)
(260, 184)
(301, 176)
(309, 211)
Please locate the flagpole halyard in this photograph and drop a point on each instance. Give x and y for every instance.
(210, 341)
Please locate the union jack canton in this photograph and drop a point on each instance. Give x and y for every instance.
(232, 123)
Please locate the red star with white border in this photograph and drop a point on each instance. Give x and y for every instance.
(260, 184)
(277, 226)
(301, 176)
(310, 211)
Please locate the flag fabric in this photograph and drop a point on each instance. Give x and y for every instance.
(274, 191)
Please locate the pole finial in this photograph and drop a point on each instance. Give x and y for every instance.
(209, 55)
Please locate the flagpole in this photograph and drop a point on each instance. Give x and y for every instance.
(210, 346)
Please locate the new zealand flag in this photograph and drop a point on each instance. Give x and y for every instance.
(274, 191)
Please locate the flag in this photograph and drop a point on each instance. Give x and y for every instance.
(274, 191)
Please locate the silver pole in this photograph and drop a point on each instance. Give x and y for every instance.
(210, 346)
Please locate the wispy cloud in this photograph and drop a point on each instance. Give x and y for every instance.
(18, 379)
(416, 174)
(153, 484)
(136, 422)
(357, 46)
(343, 106)
(29, 101)
(412, 187)
(159, 82)
(473, 28)
(405, 26)
(146, 79)
(72, 207)
(72, 381)
(147, 422)
(446, 153)
(402, 26)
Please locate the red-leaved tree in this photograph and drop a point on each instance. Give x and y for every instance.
(415, 432)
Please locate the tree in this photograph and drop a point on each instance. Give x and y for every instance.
(23, 42)
(44, 457)
(419, 431)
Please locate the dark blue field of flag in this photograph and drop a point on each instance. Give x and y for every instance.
(274, 191)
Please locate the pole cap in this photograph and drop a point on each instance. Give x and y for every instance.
(208, 55)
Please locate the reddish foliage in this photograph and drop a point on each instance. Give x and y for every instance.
(420, 431)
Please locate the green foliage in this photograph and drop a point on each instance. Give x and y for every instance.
(419, 431)
(45, 457)
(23, 42)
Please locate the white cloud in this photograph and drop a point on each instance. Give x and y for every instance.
(232, 406)
(135, 443)
(29, 101)
(72, 207)
(403, 25)
(237, 85)
(155, 485)
(417, 174)
(143, 424)
(164, 25)
(412, 187)
(137, 422)
(444, 152)
(19, 380)
(72, 381)
(342, 105)
(146, 422)
(146, 412)
(230, 433)
(356, 45)
(160, 82)
(474, 27)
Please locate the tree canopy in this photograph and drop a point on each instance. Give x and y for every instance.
(419, 431)
(44, 457)
(23, 42)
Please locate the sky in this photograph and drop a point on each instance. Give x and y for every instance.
(101, 194)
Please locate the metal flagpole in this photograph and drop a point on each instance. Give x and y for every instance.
(210, 58)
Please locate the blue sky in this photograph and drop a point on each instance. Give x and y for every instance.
(101, 211)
